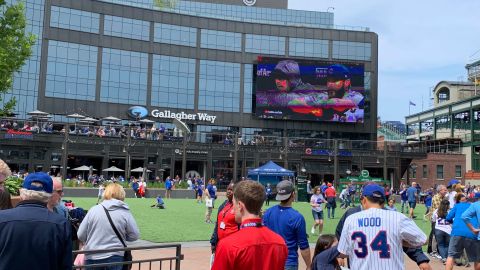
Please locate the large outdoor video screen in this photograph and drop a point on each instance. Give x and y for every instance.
(309, 90)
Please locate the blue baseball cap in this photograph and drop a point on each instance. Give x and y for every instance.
(339, 72)
(39, 182)
(452, 182)
(374, 191)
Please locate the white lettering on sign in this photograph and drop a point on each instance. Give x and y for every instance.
(205, 117)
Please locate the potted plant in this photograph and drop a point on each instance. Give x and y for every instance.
(13, 185)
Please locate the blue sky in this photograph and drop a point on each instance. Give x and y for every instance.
(420, 44)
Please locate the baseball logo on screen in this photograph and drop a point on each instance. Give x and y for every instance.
(249, 2)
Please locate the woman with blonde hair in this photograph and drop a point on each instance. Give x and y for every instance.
(107, 226)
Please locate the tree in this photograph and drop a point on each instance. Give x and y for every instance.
(15, 48)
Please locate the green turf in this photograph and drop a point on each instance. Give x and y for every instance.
(183, 219)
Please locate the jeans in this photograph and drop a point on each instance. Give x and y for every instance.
(443, 239)
(333, 212)
(403, 205)
(291, 267)
(430, 239)
(112, 259)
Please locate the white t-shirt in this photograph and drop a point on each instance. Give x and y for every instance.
(451, 198)
(318, 199)
(372, 239)
(441, 224)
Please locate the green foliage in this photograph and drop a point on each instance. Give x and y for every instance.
(13, 185)
(15, 48)
(165, 3)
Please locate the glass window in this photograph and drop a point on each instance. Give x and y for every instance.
(73, 19)
(248, 88)
(308, 47)
(265, 44)
(124, 77)
(440, 172)
(219, 86)
(174, 34)
(425, 171)
(352, 50)
(458, 171)
(71, 70)
(221, 40)
(173, 82)
(127, 28)
(414, 173)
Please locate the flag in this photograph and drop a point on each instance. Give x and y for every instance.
(412, 104)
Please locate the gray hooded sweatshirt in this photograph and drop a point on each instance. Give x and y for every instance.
(97, 233)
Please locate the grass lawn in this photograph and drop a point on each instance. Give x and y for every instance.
(183, 219)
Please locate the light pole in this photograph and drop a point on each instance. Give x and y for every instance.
(235, 158)
(65, 152)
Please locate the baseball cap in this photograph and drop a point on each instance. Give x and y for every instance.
(338, 71)
(374, 191)
(39, 182)
(284, 190)
(452, 182)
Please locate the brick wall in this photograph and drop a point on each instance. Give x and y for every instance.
(449, 162)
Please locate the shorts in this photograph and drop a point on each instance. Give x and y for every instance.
(317, 215)
(412, 204)
(459, 243)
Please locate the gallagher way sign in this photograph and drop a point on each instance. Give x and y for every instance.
(205, 117)
(141, 112)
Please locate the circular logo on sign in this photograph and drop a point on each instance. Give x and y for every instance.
(365, 173)
(249, 2)
(308, 151)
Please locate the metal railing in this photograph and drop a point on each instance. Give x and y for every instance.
(170, 260)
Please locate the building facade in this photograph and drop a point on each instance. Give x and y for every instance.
(100, 58)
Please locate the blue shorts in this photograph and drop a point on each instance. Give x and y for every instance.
(412, 204)
(317, 215)
(459, 243)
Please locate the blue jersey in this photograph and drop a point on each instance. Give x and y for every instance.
(428, 201)
(168, 184)
(290, 224)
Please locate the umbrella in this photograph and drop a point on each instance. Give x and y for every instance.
(140, 169)
(75, 116)
(113, 169)
(111, 119)
(84, 169)
(88, 120)
(37, 112)
(146, 121)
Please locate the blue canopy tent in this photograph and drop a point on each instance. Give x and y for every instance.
(269, 173)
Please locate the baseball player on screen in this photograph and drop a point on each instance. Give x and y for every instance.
(373, 238)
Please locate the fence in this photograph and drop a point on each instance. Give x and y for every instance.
(144, 257)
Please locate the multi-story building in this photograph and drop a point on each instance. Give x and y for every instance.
(450, 130)
(197, 61)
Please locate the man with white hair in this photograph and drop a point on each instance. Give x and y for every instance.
(31, 236)
(55, 203)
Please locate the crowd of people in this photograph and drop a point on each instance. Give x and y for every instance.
(372, 235)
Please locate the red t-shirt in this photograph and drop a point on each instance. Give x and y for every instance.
(252, 248)
(227, 216)
(330, 192)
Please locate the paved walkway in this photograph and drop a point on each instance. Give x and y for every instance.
(197, 257)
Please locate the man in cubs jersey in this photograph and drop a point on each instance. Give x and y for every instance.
(373, 238)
